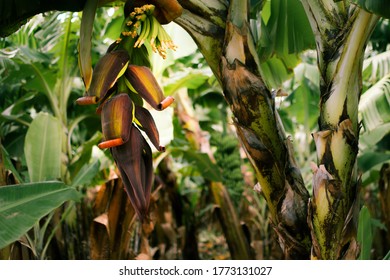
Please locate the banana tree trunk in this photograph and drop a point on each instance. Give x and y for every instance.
(224, 39)
(341, 32)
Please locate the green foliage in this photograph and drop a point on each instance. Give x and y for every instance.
(380, 37)
(365, 234)
(375, 105)
(379, 7)
(374, 108)
(188, 79)
(42, 148)
(200, 162)
(228, 159)
(280, 31)
(86, 174)
(376, 67)
(366, 229)
(35, 89)
(23, 205)
(387, 257)
(41, 131)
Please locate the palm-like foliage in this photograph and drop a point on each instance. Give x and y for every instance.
(284, 88)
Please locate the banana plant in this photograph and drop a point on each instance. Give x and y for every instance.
(236, 64)
(319, 227)
(335, 182)
(46, 150)
(119, 83)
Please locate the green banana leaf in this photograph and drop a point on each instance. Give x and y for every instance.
(376, 67)
(189, 80)
(288, 27)
(86, 174)
(281, 33)
(365, 234)
(387, 257)
(42, 148)
(374, 106)
(378, 7)
(8, 163)
(21, 206)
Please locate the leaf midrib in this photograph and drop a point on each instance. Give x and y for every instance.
(31, 199)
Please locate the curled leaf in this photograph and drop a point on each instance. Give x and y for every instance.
(86, 27)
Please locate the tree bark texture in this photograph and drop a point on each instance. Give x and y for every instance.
(230, 52)
(220, 29)
(342, 32)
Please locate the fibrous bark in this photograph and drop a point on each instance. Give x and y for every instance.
(342, 31)
(230, 52)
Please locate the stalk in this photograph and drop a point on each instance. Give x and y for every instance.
(235, 63)
(340, 53)
(230, 223)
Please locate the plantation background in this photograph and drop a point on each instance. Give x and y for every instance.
(60, 195)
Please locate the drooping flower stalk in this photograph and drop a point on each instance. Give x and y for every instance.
(121, 80)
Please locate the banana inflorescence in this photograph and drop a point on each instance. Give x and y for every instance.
(121, 80)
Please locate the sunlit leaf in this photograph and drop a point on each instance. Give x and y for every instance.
(21, 206)
(42, 148)
(374, 105)
(371, 138)
(190, 80)
(288, 28)
(376, 67)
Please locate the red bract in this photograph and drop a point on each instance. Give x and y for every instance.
(134, 161)
(117, 116)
